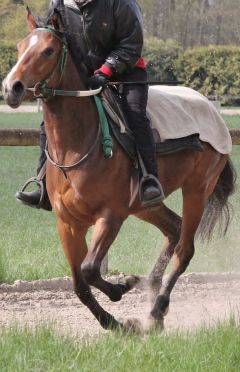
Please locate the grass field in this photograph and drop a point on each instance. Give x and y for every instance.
(215, 350)
(29, 244)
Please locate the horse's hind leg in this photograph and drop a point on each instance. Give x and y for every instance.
(169, 223)
(194, 200)
(75, 248)
(104, 233)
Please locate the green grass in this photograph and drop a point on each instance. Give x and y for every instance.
(215, 350)
(20, 120)
(232, 121)
(29, 244)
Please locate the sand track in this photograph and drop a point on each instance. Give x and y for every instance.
(197, 299)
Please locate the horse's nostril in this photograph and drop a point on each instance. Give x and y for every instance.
(18, 87)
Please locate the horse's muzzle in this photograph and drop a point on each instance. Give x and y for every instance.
(13, 93)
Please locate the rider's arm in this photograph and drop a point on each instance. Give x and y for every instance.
(128, 35)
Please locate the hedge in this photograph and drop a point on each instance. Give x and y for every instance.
(160, 56)
(212, 70)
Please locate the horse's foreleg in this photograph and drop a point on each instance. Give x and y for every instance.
(104, 233)
(169, 223)
(193, 206)
(75, 249)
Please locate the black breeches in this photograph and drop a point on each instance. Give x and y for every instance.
(134, 102)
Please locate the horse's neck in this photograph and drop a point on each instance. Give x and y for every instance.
(71, 123)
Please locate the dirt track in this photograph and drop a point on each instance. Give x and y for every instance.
(197, 299)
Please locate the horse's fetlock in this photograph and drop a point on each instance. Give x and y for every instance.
(160, 307)
(83, 295)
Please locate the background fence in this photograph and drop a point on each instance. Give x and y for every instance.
(30, 137)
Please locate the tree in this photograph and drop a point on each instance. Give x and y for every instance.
(193, 22)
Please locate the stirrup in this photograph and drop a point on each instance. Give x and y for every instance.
(155, 201)
(41, 185)
(40, 181)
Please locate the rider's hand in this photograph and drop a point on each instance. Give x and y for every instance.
(98, 80)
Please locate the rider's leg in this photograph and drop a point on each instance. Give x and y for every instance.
(39, 197)
(134, 99)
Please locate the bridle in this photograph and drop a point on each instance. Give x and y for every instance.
(42, 90)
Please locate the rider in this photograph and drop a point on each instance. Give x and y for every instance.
(111, 36)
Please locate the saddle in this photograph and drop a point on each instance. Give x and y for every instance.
(119, 127)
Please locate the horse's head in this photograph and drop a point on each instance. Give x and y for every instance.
(40, 60)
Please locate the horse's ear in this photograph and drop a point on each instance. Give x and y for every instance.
(57, 21)
(32, 24)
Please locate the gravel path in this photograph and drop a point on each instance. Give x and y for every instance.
(23, 108)
(198, 299)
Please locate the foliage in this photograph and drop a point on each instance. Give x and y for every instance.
(43, 349)
(193, 22)
(14, 28)
(160, 56)
(13, 19)
(8, 56)
(212, 70)
(189, 22)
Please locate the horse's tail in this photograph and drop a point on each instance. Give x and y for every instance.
(218, 206)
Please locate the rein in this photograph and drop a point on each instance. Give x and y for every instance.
(42, 90)
(62, 167)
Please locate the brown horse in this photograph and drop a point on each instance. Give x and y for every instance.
(97, 191)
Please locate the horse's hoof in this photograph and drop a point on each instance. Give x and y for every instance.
(155, 324)
(166, 311)
(134, 326)
(129, 282)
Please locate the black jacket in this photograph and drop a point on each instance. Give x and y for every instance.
(106, 31)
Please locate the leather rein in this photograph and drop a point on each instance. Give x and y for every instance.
(42, 90)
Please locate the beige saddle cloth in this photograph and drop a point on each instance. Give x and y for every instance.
(178, 112)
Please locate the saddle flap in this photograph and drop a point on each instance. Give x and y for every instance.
(112, 105)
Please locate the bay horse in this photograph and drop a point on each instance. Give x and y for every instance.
(97, 191)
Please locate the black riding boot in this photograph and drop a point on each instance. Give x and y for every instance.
(38, 198)
(150, 189)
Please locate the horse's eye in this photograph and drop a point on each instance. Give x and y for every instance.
(48, 51)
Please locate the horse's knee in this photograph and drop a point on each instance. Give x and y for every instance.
(90, 272)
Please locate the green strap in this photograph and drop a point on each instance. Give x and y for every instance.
(107, 140)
